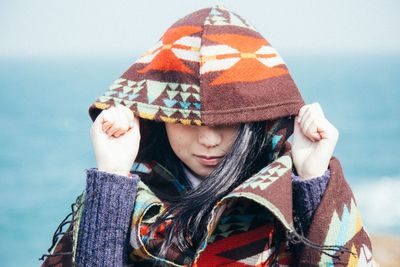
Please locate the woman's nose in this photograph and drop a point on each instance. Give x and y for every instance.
(209, 136)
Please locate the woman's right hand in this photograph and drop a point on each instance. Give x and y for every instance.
(115, 136)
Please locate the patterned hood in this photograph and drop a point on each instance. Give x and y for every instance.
(210, 67)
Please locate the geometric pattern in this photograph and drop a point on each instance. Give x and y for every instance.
(365, 258)
(236, 55)
(172, 102)
(241, 224)
(242, 227)
(193, 74)
(245, 230)
(176, 44)
(243, 234)
(221, 16)
(266, 176)
(337, 226)
(212, 67)
(342, 228)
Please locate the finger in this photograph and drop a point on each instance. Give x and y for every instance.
(306, 126)
(108, 120)
(312, 131)
(98, 122)
(116, 126)
(306, 120)
(318, 108)
(301, 112)
(107, 117)
(298, 132)
(125, 124)
(107, 125)
(124, 116)
(122, 120)
(128, 112)
(306, 114)
(119, 132)
(135, 126)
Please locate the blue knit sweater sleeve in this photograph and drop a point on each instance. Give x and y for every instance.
(103, 238)
(307, 195)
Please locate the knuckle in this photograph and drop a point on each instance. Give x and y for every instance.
(117, 125)
(108, 114)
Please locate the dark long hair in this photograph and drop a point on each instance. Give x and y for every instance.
(191, 212)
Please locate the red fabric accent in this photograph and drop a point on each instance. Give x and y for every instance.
(166, 61)
(210, 257)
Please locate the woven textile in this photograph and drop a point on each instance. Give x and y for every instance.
(212, 67)
(210, 52)
(246, 220)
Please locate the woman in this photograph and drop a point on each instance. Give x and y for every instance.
(205, 115)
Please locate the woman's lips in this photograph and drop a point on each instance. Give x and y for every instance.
(208, 161)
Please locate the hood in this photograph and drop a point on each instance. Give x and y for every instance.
(210, 67)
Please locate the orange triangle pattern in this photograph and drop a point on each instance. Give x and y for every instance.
(166, 60)
(245, 44)
(248, 70)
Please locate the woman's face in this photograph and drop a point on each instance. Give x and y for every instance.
(201, 148)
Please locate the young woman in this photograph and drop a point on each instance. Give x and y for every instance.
(194, 167)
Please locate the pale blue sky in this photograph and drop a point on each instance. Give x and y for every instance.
(96, 28)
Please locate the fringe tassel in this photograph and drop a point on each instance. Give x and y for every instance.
(295, 238)
(68, 220)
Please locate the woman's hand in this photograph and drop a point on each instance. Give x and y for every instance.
(314, 141)
(115, 136)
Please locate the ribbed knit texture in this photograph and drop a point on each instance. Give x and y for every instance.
(307, 195)
(103, 238)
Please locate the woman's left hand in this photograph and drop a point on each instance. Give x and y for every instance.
(314, 141)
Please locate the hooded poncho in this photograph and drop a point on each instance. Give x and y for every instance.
(209, 68)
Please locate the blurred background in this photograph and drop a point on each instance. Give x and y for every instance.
(57, 56)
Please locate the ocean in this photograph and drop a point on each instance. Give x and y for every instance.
(45, 144)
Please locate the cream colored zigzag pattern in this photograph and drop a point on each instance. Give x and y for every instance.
(268, 175)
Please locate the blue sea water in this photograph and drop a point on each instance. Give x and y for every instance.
(45, 145)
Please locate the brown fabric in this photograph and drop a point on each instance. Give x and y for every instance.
(337, 222)
(210, 67)
(63, 246)
(336, 228)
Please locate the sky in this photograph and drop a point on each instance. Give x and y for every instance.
(99, 28)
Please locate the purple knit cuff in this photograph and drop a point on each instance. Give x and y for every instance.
(307, 195)
(104, 228)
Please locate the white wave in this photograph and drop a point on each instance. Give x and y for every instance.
(379, 203)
